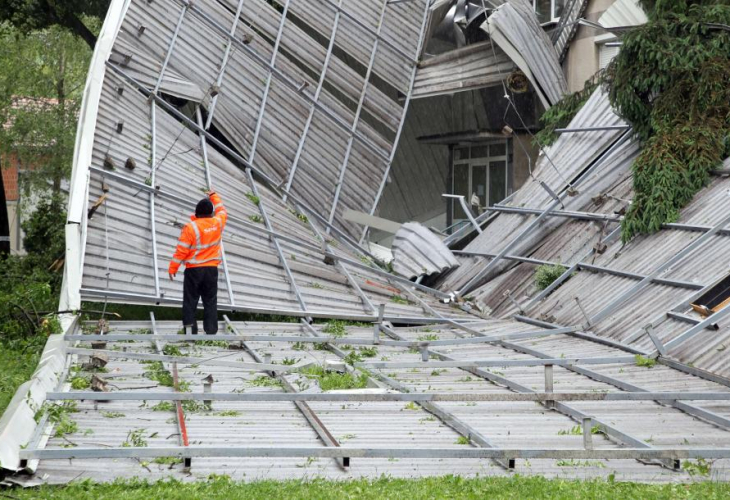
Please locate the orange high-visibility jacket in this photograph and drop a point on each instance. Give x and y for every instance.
(200, 240)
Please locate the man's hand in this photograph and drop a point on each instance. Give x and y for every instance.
(172, 276)
(210, 192)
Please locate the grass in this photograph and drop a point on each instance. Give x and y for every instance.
(335, 328)
(645, 362)
(18, 360)
(329, 381)
(515, 487)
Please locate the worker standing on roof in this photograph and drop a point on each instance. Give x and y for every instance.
(199, 247)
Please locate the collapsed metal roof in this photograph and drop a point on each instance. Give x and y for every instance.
(549, 383)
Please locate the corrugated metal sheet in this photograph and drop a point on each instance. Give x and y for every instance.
(513, 27)
(417, 251)
(471, 67)
(623, 13)
(568, 25)
(514, 425)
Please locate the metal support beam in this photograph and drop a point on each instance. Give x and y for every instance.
(358, 110)
(317, 92)
(224, 64)
(497, 362)
(636, 453)
(309, 415)
(394, 148)
(466, 210)
(591, 129)
(267, 87)
(209, 184)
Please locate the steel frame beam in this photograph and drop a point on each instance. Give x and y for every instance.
(187, 360)
(209, 182)
(635, 453)
(224, 64)
(404, 396)
(267, 87)
(478, 363)
(320, 84)
(402, 121)
(309, 415)
(358, 110)
(478, 339)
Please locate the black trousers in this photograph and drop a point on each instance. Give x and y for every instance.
(201, 282)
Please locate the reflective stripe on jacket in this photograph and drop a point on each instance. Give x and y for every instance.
(200, 240)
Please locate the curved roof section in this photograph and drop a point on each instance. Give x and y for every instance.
(144, 156)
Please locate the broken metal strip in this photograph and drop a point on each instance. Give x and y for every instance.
(153, 222)
(267, 87)
(388, 397)
(386, 174)
(561, 407)
(358, 111)
(334, 452)
(480, 339)
(209, 181)
(224, 64)
(255, 367)
(623, 297)
(384, 365)
(317, 92)
(309, 415)
(466, 210)
(591, 129)
(475, 280)
(277, 246)
(288, 81)
(588, 216)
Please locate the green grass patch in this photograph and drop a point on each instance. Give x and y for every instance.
(335, 328)
(253, 198)
(329, 380)
(157, 372)
(399, 300)
(171, 350)
(515, 487)
(645, 362)
(18, 360)
(80, 383)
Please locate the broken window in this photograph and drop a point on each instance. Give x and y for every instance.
(716, 298)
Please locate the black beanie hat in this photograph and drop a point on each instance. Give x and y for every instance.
(204, 208)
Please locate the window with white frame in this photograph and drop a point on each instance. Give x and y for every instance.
(548, 10)
(480, 174)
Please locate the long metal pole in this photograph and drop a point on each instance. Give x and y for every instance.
(419, 47)
(317, 92)
(358, 110)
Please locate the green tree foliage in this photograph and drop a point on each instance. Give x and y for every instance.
(33, 15)
(671, 81)
(42, 75)
(562, 113)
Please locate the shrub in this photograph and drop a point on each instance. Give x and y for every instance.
(546, 274)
